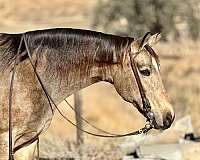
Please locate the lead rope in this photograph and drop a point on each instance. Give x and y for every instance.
(38, 148)
(10, 138)
(145, 129)
(10, 141)
(87, 122)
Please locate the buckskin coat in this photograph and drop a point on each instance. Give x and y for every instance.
(68, 60)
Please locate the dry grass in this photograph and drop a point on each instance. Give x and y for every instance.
(64, 149)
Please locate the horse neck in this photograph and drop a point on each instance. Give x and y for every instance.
(72, 69)
(62, 87)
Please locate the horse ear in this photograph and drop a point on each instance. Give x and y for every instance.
(153, 40)
(139, 44)
(148, 39)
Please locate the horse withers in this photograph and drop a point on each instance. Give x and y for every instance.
(66, 61)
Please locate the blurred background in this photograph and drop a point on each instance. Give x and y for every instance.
(179, 51)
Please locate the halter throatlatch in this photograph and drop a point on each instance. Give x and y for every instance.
(146, 111)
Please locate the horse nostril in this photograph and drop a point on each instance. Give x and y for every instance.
(167, 120)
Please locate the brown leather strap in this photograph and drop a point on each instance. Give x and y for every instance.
(10, 138)
(145, 101)
(146, 110)
(10, 141)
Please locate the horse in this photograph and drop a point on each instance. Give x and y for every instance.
(68, 60)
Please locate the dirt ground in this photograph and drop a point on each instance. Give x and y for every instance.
(102, 106)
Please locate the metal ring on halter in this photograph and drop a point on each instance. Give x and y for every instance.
(150, 115)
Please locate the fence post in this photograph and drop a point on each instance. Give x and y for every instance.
(78, 113)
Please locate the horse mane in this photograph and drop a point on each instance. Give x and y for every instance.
(65, 46)
(65, 49)
(78, 44)
(8, 49)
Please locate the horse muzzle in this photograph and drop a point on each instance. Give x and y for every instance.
(162, 123)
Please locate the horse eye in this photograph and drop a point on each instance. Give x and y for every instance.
(145, 72)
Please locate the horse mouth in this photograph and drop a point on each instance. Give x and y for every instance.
(157, 127)
(167, 122)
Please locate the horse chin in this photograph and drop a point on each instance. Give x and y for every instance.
(154, 124)
(167, 122)
(161, 128)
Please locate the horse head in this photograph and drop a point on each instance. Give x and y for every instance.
(146, 66)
